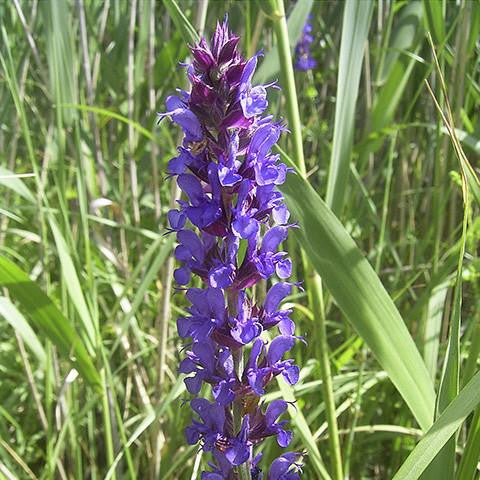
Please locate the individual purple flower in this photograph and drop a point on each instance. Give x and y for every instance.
(303, 57)
(285, 467)
(230, 225)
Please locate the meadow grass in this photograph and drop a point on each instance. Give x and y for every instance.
(384, 136)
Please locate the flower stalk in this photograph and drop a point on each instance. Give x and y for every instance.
(229, 229)
(314, 283)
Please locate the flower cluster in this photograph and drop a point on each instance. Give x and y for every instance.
(229, 229)
(303, 58)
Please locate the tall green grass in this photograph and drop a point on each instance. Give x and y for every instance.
(385, 194)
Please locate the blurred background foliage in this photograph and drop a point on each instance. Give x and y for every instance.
(88, 345)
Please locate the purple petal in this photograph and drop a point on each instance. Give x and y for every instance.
(221, 277)
(192, 187)
(191, 241)
(284, 268)
(273, 238)
(176, 219)
(275, 295)
(284, 437)
(278, 347)
(182, 275)
(281, 214)
(245, 332)
(206, 355)
(178, 165)
(257, 349)
(183, 327)
(228, 177)
(255, 380)
(188, 122)
(248, 72)
(216, 302)
(255, 102)
(281, 465)
(274, 410)
(223, 393)
(225, 360)
(286, 327)
(263, 139)
(192, 435)
(245, 227)
(238, 454)
(193, 384)
(212, 476)
(291, 374)
(187, 366)
(182, 253)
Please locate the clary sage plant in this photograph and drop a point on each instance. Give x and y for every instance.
(229, 229)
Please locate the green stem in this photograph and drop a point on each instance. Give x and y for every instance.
(327, 384)
(108, 424)
(288, 80)
(288, 84)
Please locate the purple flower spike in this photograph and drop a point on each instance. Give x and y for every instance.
(303, 58)
(229, 226)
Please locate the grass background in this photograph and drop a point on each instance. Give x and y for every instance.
(88, 347)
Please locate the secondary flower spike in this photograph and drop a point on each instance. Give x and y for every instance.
(229, 227)
(303, 57)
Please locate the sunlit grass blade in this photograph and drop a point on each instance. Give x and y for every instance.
(433, 325)
(12, 181)
(398, 67)
(433, 16)
(18, 322)
(46, 317)
(189, 33)
(361, 296)
(60, 55)
(73, 286)
(304, 431)
(164, 250)
(441, 431)
(471, 453)
(356, 23)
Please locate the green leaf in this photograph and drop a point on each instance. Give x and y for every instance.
(60, 54)
(12, 181)
(405, 38)
(270, 66)
(433, 326)
(398, 67)
(46, 317)
(187, 30)
(72, 283)
(441, 431)
(18, 322)
(360, 295)
(434, 19)
(303, 429)
(356, 23)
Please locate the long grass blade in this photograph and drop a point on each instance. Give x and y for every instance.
(45, 316)
(361, 296)
(18, 322)
(441, 431)
(356, 24)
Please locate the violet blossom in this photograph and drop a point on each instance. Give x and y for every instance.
(229, 228)
(303, 57)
